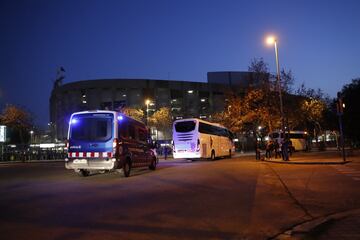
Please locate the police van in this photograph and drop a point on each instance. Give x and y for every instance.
(107, 140)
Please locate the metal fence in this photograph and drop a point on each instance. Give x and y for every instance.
(27, 153)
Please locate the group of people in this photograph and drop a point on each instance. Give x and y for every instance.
(282, 149)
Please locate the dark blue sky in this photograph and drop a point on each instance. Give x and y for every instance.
(318, 40)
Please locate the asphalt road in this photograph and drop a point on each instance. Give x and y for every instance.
(235, 198)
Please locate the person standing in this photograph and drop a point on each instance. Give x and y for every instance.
(284, 149)
(257, 150)
(277, 149)
(269, 147)
(165, 152)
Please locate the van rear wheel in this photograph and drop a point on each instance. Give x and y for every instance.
(84, 172)
(152, 166)
(127, 168)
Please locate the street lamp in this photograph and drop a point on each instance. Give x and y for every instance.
(147, 102)
(31, 136)
(272, 40)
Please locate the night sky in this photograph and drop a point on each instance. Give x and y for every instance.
(170, 39)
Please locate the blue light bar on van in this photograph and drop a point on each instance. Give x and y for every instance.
(120, 118)
(74, 121)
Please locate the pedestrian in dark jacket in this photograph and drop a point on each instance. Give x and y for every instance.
(277, 149)
(269, 149)
(284, 149)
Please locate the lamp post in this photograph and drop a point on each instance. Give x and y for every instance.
(147, 102)
(31, 136)
(272, 40)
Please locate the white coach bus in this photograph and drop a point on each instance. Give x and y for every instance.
(196, 138)
(299, 139)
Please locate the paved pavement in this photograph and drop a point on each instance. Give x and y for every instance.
(343, 225)
(340, 225)
(326, 157)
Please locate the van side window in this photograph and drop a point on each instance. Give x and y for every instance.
(131, 132)
(123, 130)
(142, 135)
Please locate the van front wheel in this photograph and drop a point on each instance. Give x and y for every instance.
(127, 168)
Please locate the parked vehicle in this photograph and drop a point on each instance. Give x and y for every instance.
(196, 138)
(107, 140)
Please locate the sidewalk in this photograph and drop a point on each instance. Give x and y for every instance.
(324, 157)
(343, 225)
(234, 155)
(307, 161)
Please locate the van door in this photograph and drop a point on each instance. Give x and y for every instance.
(142, 141)
(91, 135)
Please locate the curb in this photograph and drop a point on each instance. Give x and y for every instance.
(304, 229)
(306, 163)
(32, 161)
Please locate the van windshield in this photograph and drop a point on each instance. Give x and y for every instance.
(91, 127)
(186, 126)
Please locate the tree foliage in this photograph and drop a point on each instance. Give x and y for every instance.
(350, 94)
(305, 110)
(287, 81)
(19, 121)
(137, 114)
(246, 113)
(260, 105)
(315, 110)
(161, 120)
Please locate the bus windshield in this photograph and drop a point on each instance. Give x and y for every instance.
(90, 127)
(186, 126)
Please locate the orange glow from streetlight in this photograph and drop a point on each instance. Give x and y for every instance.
(147, 101)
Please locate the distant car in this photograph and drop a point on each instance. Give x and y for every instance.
(108, 140)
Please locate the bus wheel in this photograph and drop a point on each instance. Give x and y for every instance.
(212, 155)
(84, 173)
(127, 168)
(152, 166)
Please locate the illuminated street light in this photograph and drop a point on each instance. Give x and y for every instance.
(147, 102)
(272, 40)
(31, 136)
